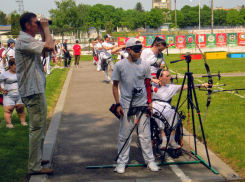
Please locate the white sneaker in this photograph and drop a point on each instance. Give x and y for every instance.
(163, 145)
(120, 168)
(174, 145)
(153, 166)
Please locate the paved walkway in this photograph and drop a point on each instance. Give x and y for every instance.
(88, 137)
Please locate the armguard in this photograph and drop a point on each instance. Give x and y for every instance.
(148, 89)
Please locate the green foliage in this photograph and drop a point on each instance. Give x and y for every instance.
(68, 14)
(220, 17)
(3, 18)
(15, 22)
(155, 17)
(233, 17)
(139, 7)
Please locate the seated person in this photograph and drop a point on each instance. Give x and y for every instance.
(162, 95)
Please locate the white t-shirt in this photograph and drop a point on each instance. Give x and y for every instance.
(107, 54)
(10, 53)
(152, 58)
(59, 47)
(131, 75)
(98, 45)
(10, 82)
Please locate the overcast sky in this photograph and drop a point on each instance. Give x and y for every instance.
(43, 6)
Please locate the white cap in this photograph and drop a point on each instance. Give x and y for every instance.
(133, 42)
(66, 38)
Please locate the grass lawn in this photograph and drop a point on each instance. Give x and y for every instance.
(224, 124)
(228, 65)
(14, 143)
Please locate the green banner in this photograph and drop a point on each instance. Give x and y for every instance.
(190, 41)
(149, 40)
(170, 39)
(231, 39)
(210, 40)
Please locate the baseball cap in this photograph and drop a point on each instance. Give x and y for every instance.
(66, 38)
(133, 42)
(10, 41)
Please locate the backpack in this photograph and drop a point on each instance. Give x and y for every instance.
(1, 52)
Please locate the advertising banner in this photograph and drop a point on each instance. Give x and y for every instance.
(231, 39)
(142, 39)
(120, 40)
(211, 40)
(180, 41)
(149, 40)
(221, 39)
(170, 39)
(201, 40)
(190, 41)
(241, 39)
(162, 36)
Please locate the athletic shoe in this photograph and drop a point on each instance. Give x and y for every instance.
(24, 123)
(152, 166)
(174, 145)
(163, 145)
(9, 126)
(120, 168)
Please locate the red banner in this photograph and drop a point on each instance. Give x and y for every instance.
(241, 39)
(142, 39)
(201, 40)
(180, 41)
(162, 36)
(221, 39)
(120, 40)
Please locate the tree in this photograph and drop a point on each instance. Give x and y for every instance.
(242, 15)
(180, 19)
(68, 14)
(220, 17)
(3, 18)
(139, 7)
(233, 17)
(205, 16)
(155, 18)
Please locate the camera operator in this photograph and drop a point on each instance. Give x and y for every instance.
(32, 80)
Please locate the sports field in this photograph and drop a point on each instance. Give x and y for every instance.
(224, 124)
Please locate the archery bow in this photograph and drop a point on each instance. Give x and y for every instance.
(210, 80)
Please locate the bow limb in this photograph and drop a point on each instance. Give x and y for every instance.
(210, 80)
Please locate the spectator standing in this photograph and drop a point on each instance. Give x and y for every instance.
(11, 97)
(77, 53)
(32, 81)
(67, 54)
(59, 54)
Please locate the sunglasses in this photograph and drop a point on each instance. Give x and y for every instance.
(137, 48)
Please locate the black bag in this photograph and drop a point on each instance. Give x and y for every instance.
(104, 64)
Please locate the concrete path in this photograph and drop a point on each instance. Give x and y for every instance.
(88, 136)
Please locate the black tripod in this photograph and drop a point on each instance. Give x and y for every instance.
(190, 104)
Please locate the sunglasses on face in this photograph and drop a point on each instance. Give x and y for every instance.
(137, 48)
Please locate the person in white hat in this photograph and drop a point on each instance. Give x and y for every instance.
(130, 73)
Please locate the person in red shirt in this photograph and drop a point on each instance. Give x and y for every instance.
(77, 53)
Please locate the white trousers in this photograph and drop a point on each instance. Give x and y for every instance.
(48, 64)
(99, 62)
(144, 135)
(167, 112)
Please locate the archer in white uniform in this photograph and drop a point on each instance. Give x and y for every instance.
(154, 55)
(129, 73)
(163, 93)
